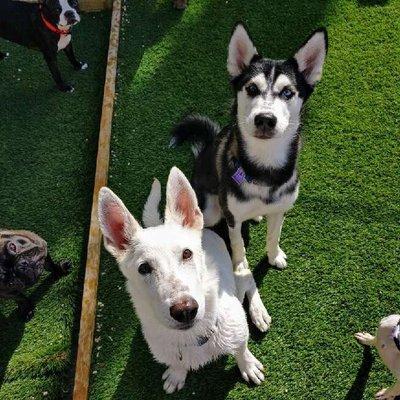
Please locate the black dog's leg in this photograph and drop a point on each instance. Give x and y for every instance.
(51, 60)
(57, 269)
(78, 65)
(25, 306)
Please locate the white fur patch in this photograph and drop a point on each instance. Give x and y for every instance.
(63, 42)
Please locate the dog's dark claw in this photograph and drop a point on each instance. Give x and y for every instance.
(66, 88)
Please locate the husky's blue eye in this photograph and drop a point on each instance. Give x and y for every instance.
(287, 94)
(145, 269)
(252, 90)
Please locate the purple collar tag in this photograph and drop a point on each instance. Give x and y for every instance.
(239, 176)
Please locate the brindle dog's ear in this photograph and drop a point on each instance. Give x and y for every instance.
(13, 247)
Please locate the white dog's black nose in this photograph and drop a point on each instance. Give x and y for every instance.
(185, 310)
(265, 121)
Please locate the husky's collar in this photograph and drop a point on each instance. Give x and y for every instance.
(396, 335)
(239, 175)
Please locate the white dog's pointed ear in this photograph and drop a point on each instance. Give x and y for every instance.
(241, 50)
(181, 206)
(116, 223)
(311, 56)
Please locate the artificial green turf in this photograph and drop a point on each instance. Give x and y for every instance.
(342, 235)
(48, 143)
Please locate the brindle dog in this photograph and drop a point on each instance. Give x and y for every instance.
(23, 257)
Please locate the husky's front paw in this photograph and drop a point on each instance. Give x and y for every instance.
(259, 314)
(174, 379)
(250, 368)
(278, 258)
(386, 394)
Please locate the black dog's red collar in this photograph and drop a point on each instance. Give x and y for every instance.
(52, 27)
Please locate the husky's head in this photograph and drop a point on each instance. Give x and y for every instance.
(165, 264)
(271, 93)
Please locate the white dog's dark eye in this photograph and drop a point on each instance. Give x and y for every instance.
(145, 269)
(252, 90)
(287, 93)
(187, 254)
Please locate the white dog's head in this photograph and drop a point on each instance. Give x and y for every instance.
(165, 264)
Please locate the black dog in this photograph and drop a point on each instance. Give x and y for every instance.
(46, 27)
(23, 257)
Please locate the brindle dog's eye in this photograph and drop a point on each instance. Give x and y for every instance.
(187, 254)
(252, 90)
(145, 269)
(287, 93)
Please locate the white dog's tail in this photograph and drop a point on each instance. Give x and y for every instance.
(151, 213)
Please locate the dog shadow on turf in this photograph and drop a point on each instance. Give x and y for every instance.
(357, 389)
(142, 377)
(12, 327)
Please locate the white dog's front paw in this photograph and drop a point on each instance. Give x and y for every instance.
(365, 338)
(259, 314)
(278, 258)
(250, 368)
(174, 379)
(386, 394)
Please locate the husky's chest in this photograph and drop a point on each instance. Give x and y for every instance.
(255, 199)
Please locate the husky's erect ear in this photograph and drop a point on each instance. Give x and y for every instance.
(182, 207)
(116, 223)
(311, 56)
(241, 50)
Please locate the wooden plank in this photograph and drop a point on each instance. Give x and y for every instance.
(89, 299)
(95, 5)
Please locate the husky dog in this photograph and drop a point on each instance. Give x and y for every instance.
(248, 169)
(387, 342)
(180, 279)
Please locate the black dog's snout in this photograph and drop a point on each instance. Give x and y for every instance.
(70, 17)
(185, 310)
(265, 121)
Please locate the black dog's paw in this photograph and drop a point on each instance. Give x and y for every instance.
(3, 56)
(64, 87)
(81, 66)
(65, 267)
(26, 312)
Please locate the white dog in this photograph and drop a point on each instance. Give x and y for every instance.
(180, 279)
(387, 342)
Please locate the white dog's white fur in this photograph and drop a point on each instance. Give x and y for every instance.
(389, 353)
(220, 325)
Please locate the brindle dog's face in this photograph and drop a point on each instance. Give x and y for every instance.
(64, 13)
(22, 259)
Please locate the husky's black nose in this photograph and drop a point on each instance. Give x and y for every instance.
(265, 121)
(184, 310)
(70, 17)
